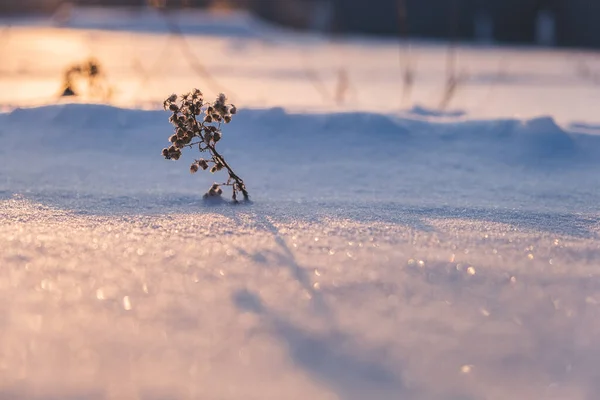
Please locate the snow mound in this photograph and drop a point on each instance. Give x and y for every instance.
(524, 142)
(73, 116)
(429, 112)
(544, 137)
(95, 149)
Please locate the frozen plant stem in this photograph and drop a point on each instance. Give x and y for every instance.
(207, 130)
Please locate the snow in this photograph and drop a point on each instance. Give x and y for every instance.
(418, 254)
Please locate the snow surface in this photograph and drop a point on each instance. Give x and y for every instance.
(421, 254)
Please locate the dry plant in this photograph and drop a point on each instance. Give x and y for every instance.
(408, 69)
(454, 79)
(198, 124)
(90, 71)
(343, 86)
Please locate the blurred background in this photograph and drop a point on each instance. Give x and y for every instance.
(545, 22)
(489, 57)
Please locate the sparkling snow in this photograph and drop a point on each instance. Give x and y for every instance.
(416, 254)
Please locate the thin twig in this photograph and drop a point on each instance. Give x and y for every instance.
(408, 75)
(193, 61)
(219, 158)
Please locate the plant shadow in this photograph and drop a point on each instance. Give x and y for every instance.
(334, 359)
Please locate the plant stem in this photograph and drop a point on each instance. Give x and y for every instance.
(215, 153)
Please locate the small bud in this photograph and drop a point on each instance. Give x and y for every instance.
(208, 119)
(165, 152)
(173, 138)
(208, 136)
(175, 156)
(173, 107)
(233, 110)
(203, 164)
(179, 144)
(213, 169)
(194, 168)
(217, 136)
(227, 119)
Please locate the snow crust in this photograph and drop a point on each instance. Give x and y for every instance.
(420, 254)
(382, 257)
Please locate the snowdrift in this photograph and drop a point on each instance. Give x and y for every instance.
(539, 137)
(413, 157)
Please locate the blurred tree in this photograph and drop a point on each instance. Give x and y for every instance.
(28, 6)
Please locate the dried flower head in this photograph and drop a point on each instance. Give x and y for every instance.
(202, 163)
(207, 130)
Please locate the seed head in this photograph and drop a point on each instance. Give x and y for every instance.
(208, 119)
(172, 98)
(233, 110)
(194, 168)
(227, 119)
(173, 138)
(173, 107)
(217, 136)
(203, 164)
